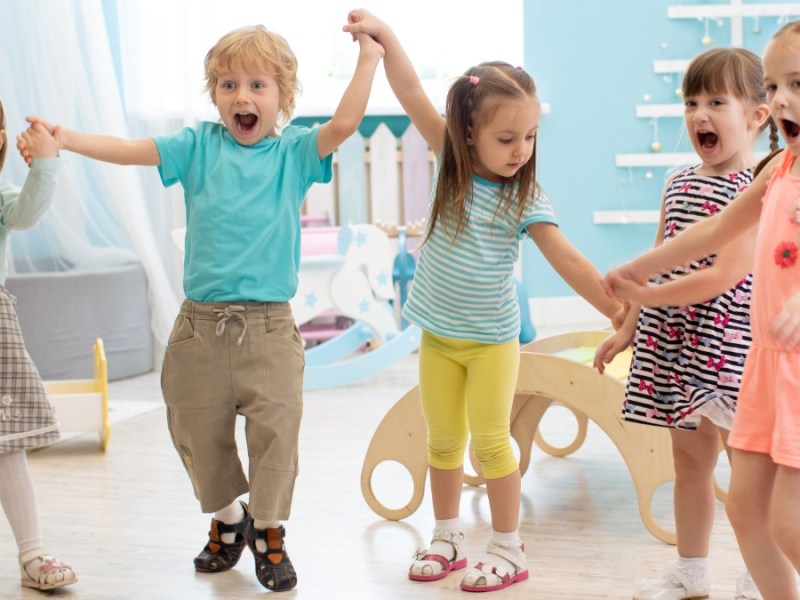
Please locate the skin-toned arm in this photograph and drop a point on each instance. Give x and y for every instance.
(101, 147)
(575, 269)
(732, 264)
(617, 341)
(700, 239)
(402, 78)
(353, 105)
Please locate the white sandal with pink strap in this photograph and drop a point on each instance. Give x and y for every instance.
(49, 574)
(488, 578)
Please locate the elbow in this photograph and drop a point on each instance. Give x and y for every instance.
(343, 127)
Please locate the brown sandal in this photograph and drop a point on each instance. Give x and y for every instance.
(274, 569)
(218, 556)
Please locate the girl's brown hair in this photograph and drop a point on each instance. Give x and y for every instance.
(256, 45)
(730, 70)
(468, 106)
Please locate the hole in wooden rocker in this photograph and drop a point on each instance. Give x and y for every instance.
(392, 484)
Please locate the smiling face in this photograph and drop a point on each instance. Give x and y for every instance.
(782, 80)
(248, 100)
(503, 142)
(720, 127)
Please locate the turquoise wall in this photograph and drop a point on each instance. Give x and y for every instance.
(593, 63)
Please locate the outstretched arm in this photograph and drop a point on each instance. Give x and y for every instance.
(575, 269)
(701, 239)
(101, 147)
(402, 77)
(353, 105)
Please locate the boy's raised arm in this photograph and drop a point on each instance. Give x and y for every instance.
(353, 105)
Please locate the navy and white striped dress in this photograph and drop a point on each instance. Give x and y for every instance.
(688, 360)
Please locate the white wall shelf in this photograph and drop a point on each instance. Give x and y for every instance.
(719, 11)
(656, 159)
(625, 217)
(670, 66)
(659, 110)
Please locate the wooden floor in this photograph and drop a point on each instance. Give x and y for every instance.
(128, 522)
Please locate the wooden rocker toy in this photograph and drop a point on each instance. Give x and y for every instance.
(552, 370)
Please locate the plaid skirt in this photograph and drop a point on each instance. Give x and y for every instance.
(27, 419)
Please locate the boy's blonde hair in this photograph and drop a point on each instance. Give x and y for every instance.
(256, 46)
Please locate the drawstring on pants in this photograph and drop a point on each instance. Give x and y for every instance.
(227, 313)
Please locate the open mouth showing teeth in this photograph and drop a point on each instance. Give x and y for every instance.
(707, 139)
(245, 121)
(791, 128)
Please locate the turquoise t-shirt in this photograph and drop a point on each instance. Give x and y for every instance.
(242, 209)
(464, 289)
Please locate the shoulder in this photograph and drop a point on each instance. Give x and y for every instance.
(292, 134)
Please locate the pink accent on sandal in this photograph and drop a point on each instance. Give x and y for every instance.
(447, 567)
(505, 580)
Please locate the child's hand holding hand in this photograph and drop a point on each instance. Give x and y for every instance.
(363, 21)
(624, 283)
(40, 140)
(786, 326)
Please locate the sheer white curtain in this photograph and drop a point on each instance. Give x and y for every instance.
(57, 64)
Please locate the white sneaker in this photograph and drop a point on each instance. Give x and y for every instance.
(746, 588)
(676, 583)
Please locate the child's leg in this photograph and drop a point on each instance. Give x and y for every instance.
(748, 506)
(694, 454)
(783, 517)
(18, 498)
(442, 379)
(492, 379)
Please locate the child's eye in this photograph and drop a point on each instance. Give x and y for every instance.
(258, 85)
(504, 140)
(228, 85)
(771, 87)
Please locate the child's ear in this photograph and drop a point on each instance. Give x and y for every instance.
(2, 138)
(470, 139)
(760, 115)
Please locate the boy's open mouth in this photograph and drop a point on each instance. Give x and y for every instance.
(245, 121)
(790, 128)
(707, 139)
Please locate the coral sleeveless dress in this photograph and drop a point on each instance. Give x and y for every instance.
(768, 420)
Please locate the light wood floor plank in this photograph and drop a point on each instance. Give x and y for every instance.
(128, 522)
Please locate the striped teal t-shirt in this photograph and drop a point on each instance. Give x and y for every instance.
(464, 289)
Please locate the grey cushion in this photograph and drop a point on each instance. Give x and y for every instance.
(62, 313)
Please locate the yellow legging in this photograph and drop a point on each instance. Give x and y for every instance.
(467, 387)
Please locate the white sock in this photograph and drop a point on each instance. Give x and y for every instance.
(18, 499)
(261, 545)
(441, 547)
(510, 542)
(230, 515)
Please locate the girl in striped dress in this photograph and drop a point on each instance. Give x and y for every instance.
(486, 199)
(689, 352)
